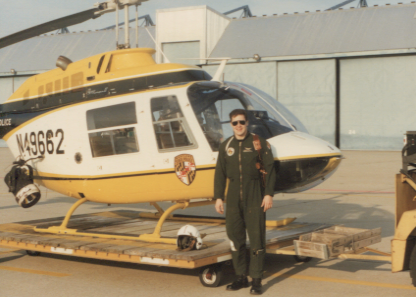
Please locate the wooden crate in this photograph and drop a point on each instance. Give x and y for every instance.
(334, 241)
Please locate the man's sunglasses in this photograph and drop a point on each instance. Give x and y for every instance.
(236, 122)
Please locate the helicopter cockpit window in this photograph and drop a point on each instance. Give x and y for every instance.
(171, 129)
(115, 141)
(212, 102)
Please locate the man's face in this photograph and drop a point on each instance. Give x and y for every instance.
(239, 129)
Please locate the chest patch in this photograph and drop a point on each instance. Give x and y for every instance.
(230, 151)
(247, 150)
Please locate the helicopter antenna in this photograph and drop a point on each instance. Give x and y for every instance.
(220, 70)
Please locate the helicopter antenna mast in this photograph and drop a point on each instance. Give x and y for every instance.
(126, 27)
(116, 24)
(120, 4)
(137, 25)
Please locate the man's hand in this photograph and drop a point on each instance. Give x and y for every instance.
(267, 202)
(219, 206)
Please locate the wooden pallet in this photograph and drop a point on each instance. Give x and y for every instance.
(216, 246)
(334, 241)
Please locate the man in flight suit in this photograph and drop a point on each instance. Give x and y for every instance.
(247, 199)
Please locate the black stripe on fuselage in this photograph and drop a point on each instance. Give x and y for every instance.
(112, 177)
(14, 114)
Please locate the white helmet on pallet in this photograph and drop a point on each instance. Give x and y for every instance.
(188, 238)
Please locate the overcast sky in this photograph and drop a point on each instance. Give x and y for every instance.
(16, 15)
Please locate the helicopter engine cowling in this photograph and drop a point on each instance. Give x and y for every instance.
(20, 183)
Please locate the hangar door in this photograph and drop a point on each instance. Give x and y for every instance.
(378, 102)
(307, 88)
(7, 87)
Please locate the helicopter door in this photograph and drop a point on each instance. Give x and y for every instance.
(105, 139)
(171, 129)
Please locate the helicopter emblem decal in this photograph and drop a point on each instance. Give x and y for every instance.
(185, 168)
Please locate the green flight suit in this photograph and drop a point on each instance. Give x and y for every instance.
(237, 163)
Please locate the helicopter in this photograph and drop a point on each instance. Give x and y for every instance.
(117, 128)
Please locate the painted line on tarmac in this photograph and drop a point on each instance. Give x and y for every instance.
(342, 281)
(49, 273)
(351, 191)
(10, 251)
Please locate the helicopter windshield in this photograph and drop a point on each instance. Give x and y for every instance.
(288, 115)
(212, 103)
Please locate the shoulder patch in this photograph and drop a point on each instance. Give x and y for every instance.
(230, 151)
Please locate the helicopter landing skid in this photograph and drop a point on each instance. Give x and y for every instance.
(153, 237)
(212, 220)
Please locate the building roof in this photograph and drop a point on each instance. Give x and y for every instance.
(328, 32)
(40, 53)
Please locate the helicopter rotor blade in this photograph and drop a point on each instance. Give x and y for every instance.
(50, 26)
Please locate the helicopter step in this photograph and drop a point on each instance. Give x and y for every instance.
(210, 258)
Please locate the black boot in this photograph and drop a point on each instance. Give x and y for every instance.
(240, 282)
(256, 287)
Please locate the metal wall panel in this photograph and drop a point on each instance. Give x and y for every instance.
(216, 25)
(197, 23)
(307, 88)
(259, 75)
(178, 50)
(180, 25)
(6, 88)
(378, 102)
(327, 32)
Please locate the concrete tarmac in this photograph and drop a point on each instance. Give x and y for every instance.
(360, 194)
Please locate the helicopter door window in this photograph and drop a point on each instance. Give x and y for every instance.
(171, 129)
(115, 141)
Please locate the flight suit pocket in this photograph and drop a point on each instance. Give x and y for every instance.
(253, 192)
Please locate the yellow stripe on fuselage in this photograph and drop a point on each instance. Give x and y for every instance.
(135, 187)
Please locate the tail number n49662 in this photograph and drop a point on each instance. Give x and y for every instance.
(41, 142)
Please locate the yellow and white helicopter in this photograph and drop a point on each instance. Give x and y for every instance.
(118, 128)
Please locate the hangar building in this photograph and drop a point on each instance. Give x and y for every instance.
(349, 75)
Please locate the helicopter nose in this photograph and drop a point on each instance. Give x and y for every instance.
(302, 161)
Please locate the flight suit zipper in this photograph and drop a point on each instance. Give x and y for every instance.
(241, 171)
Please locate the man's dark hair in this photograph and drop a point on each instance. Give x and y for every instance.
(237, 112)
